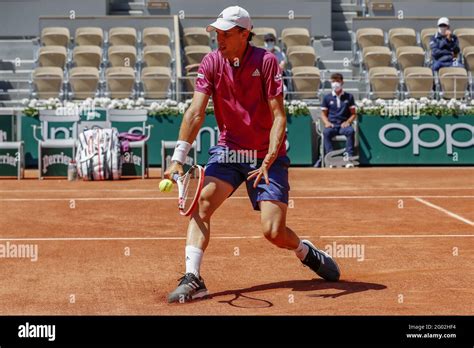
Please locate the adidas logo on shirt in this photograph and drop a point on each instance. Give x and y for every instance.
(256, 73)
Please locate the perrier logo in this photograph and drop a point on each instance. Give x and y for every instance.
(9, 159)
(55, 159)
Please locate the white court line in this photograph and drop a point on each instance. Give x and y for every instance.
(403, 236)
(236, 197)
(119, 238)
(293, 189)
(68, 239)
(447, 212)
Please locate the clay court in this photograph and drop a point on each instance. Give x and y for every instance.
(118, 247)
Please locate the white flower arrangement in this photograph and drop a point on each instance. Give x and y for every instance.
(415, 107)
(296, 108)
(167, 107)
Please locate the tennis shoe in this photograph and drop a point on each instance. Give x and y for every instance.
(190, 288)
(321, 263)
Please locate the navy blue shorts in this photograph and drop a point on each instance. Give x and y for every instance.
(236, 173)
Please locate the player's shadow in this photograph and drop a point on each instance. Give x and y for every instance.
(346, 288)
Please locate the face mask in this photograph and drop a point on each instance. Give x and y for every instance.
(442, 30)
(269, 44)
(336, 86)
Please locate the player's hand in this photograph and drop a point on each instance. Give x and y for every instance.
(448, 34)
(175, 167)
(262, 171)
(328, 125)
(345, 124)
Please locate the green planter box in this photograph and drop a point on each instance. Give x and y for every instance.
(6, 128)
(301, 138)
(423, 140)
(30, 144)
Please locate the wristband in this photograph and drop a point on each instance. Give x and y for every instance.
(181, 151)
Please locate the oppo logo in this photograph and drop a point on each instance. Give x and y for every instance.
(444, 135)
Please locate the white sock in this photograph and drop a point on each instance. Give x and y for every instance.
(301, 251)
(193, 260)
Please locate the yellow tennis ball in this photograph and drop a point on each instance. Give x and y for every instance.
(166, 185)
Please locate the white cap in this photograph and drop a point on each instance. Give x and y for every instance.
(231, 16)
(443, 20)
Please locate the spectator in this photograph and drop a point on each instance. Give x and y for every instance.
(338, 111)
(444, 46)
(270, 46)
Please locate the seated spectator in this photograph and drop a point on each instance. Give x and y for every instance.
(444, 46)
(338, 111)
(269, 42)
(270, 46)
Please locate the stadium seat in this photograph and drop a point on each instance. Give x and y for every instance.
(384, 82)
(191, 80)
(374, 56)
(419, 81)
(259, 34)
(426, 35)
(465, 37)
(453, 82)
(153, 36)
(122, 36)
(84, 81)
(55, 36)
(90, 36)
(408, 56)
(295, 37)
(194, 54)
(157, 55)
(122, 55)
(306, 81)
(196, 36)
(301, 56)
(48, 82)
(367, 37)
(156, 82)
(120, 81)
(191, 68)
(87, 55)
(399, 37)
(468, 54)
(52, 56)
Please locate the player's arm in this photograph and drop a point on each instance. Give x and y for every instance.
(192, 121)
(193, 118)
(277, 135)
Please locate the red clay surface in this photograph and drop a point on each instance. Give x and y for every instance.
(416, 226)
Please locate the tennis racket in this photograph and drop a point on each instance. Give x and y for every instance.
(189, 189)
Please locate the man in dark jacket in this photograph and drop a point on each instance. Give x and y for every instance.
(444, 46)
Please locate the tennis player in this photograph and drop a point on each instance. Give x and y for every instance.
(247, 91)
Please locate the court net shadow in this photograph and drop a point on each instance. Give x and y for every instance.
(346, 288)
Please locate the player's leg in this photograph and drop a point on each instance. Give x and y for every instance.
(214, 193)
(191, 285)
(273, 218)
(219, 183)
(272, 201)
